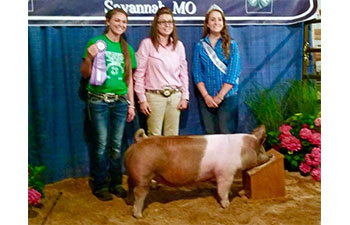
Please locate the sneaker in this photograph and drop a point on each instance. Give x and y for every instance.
(103, 194)
(119, 191)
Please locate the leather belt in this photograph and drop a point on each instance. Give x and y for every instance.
(166, 92)
(107, 97)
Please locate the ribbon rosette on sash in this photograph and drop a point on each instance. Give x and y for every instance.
(98, 74)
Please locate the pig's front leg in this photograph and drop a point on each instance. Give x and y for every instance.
(140, 193)
(224, 181)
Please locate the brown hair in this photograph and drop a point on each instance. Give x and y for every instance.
(226, 39)
(154, 30)
(123, 43)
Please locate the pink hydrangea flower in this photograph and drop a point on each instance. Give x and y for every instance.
(305, 168)
(305, 125)
(316, 152)
(33, 196)
(315, 139)
(291, 143)
(309, 160)
(317, 122)
(305, 133)
(316, 174)
(316, 155)
(285, 129)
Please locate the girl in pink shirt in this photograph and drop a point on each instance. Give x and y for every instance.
(161, 77)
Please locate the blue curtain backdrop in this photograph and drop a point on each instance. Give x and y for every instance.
(58, 132)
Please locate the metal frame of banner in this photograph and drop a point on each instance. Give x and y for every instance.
(190, 21)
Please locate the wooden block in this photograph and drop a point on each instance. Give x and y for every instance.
(317, 56)
(317, 34)
(267, 180)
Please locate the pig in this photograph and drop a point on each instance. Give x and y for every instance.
(183, 160)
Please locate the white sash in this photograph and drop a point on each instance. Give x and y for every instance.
(214, 58)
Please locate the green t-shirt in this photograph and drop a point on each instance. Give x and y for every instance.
(115, 82)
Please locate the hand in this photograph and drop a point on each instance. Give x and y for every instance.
(131, 114)
(217, 100)
(182, 104)
(92, 51)
(145, 108)
(209, 101)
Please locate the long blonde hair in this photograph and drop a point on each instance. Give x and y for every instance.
(123, 43)
(226, 39)
(154, 30)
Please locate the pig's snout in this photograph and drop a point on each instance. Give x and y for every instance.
(263, 157)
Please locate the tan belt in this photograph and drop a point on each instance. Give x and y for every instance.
(166, 92)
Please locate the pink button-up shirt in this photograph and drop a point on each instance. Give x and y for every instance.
(159, 69)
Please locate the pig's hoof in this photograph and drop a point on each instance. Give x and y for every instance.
(136, 213)
(224, 203)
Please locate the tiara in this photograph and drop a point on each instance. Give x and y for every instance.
(214, 7)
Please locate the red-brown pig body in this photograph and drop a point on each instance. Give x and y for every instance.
(182, 160)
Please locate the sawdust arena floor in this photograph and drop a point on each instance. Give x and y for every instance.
(70, 202)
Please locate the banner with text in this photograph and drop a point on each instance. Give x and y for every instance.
(141, 12)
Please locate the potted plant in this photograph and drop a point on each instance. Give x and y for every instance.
(291, 114)
(299, 140)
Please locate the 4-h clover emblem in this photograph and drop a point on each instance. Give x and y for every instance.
(259, 3)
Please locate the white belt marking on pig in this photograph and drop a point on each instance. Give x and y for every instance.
(223, 153)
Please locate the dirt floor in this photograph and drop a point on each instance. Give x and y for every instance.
(70, 202)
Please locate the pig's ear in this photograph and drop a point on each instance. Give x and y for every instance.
(260, 133)
(139, 134)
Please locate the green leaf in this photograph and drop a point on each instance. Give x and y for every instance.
(34, 178)
(296, 157)
(295, 163)
(305, 143)
(40, 169)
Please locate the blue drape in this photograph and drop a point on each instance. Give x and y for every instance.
(58, 132)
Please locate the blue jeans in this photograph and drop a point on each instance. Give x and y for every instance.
(221, 120)
(108, 121)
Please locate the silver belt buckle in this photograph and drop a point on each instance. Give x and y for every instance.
(166, 92)
(106, 97)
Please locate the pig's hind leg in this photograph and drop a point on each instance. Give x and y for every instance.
(141, 189)
(224, 181)
(140, 193)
